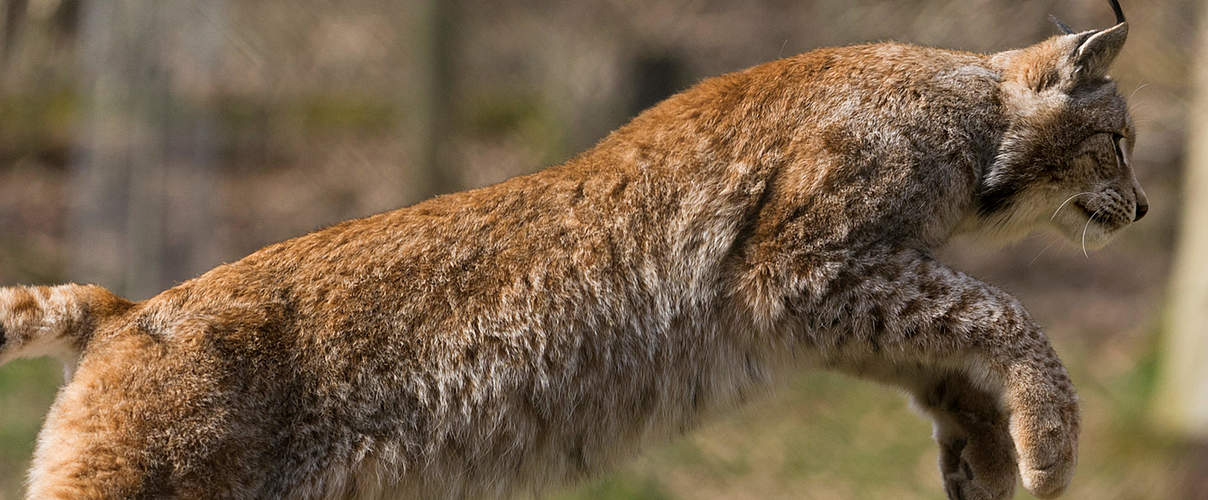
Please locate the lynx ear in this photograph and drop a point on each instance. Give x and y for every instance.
(1095, 55)
(1066, 61)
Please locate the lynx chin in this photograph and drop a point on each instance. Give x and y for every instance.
(514, 338)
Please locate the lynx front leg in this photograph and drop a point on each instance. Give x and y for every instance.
(970, 354)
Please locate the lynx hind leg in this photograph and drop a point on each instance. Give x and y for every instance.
(977, 455)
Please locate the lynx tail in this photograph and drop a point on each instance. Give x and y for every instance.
(57, 321)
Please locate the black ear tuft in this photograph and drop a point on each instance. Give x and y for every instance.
(1065, 28)
(1119, 12)
(1095, 49)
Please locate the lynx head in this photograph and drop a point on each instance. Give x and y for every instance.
(1064, 160)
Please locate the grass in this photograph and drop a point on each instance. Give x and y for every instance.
(27, 388)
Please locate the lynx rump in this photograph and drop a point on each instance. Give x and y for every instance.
(519, 336)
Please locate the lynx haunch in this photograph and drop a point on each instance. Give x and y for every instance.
(513, 338)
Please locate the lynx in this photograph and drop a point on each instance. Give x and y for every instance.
(513, 338)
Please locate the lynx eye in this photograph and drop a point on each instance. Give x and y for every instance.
(1120, 158)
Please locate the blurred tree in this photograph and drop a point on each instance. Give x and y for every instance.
(1182, 404)
(14, 17)
(67, 17)
(656, 76)
(143, 187)
(433, 99)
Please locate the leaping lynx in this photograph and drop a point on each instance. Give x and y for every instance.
(513, 338)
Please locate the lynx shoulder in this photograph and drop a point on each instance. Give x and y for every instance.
(520, 336)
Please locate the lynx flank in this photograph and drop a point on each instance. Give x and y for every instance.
(510, 339)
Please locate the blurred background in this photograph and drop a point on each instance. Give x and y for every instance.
(145, 141)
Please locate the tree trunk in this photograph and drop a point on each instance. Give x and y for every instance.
(433, 98)
(1182, 402)
(142, 214)
(14, 20)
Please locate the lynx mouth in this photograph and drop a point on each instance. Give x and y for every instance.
(1104, 216)
(1085, 211)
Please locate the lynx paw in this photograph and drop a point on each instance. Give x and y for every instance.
(1047, 444)
(960, 480)
(977, 460)
(1044, 427)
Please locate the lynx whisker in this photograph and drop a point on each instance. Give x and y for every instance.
(1084, 228)
(1067, 200)
(1041, 252)
(1138, 89)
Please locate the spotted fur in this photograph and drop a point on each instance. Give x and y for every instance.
(516, 337)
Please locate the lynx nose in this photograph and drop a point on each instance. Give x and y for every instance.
(1142, 204)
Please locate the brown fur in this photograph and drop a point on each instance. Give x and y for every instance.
(519, 336)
